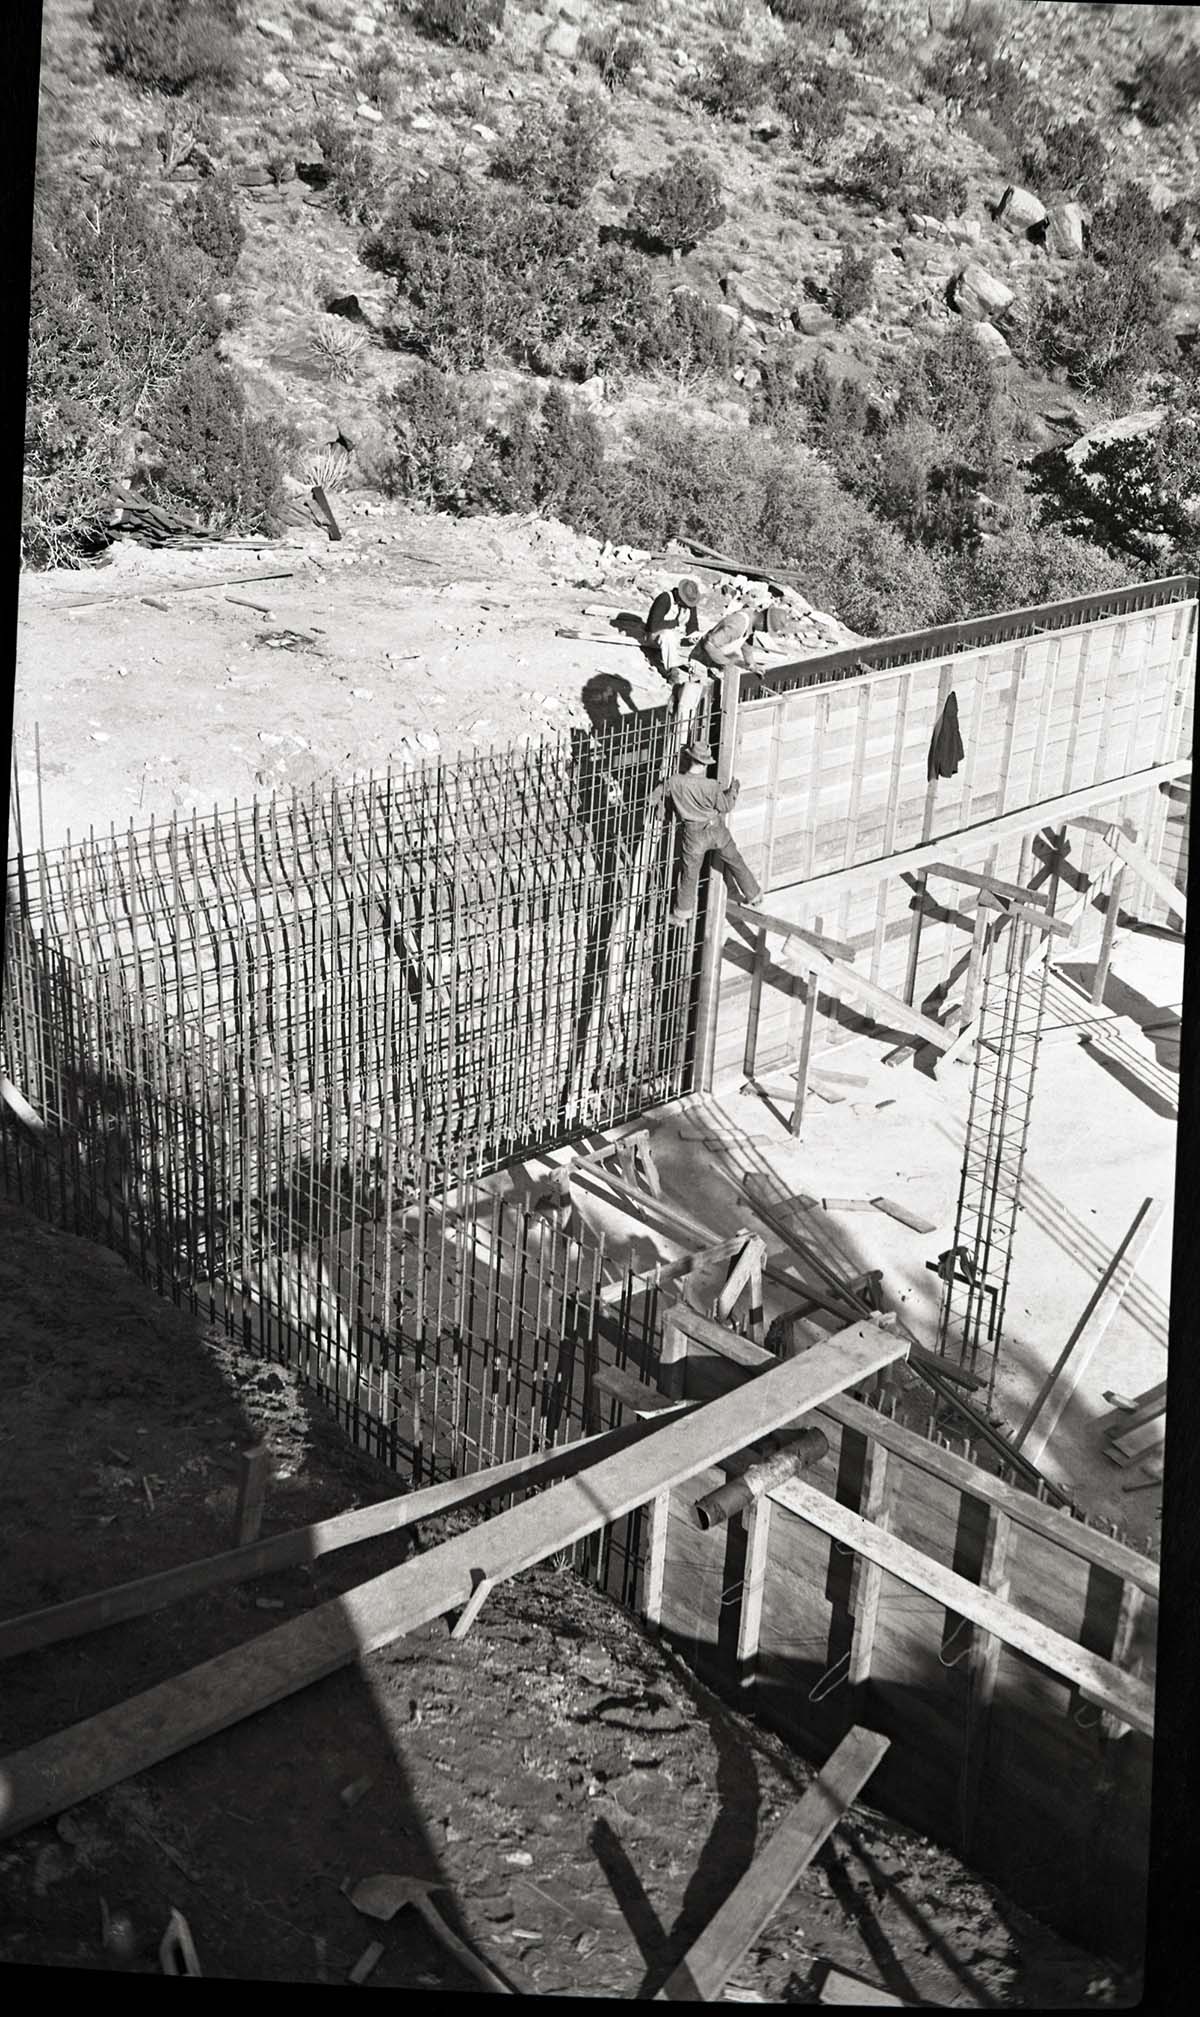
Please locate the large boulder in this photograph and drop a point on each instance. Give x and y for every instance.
(752, 297)
(1128, 428)
(929, 227)
(1020, 209)
(563, 40)
(1064, 230)
(964, 230)
(991, 342)
(979, 295)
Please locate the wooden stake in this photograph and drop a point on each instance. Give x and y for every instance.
(254, 1471)
(758, 1537)
(708, 1964)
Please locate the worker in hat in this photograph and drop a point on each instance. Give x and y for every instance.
(700, 805)
(674, 618)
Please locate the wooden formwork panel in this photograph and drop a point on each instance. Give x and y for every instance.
(1059, 1812)
(838, 775)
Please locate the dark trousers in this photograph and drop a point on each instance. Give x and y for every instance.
(704, 837)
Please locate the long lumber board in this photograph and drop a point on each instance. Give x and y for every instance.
(1053, 1524)
(1104, 1685)
(816, 892)
(1062, 1381)
(136, 1734)
(887, 1010)
(123, 1601)
(775, 1871)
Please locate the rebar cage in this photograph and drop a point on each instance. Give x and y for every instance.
(274, 1056)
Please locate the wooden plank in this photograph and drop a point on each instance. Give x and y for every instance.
(1129, 1613)
(966, 840)
(1098, 1680)
(1060, 1384)
(796, 1117)
(73, 1764)
(656, 1559)
(886, 1009)
(833, 948)
(754, 1006)
(906, 1216)
(1147, 871)
(1124, 1420)
(481, 1589)
(1107, 938)
(754, 1575)
(708, 1964)
(875, 1504)
(254, 1471)
(838, 1987)
(1026, 912)
(748, 1262)
(1019, 892)
(1053, 1524)
(984, 1665)
(708, 986)
(633, 1396)
(124, 1601)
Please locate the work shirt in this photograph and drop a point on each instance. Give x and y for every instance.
(724, 641)
(700, 799)
(666, 613)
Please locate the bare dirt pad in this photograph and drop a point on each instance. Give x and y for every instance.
(586, 1803)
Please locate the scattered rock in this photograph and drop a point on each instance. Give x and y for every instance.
(485, 133)
(276, 83)
(370, 112)
(364, 24)
(990, 340)
(421, 123)
(1064, 230)
(1020, 209)
(751, 296)
(563, 40)
(965, 230)
(253, 178)
(979, 295)
(928, 227)
(592, 391)
(275, 31)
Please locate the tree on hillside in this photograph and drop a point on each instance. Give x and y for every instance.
(1137, 499)
(170, 45)
(679, 205)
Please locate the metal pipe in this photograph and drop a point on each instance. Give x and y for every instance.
(801, 1452)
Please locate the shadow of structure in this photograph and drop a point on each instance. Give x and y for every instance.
(125, 1417)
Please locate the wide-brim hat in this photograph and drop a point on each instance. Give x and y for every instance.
(689, 592)
(698, 751)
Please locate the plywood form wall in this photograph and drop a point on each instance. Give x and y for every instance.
(835, 776)
(1059, 1817)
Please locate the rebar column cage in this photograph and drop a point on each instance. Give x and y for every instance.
(1011, 1006)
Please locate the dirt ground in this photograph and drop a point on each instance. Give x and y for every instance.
(584, 1801)
(412, 637)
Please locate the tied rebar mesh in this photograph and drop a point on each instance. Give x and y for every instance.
(273, 1056)
(1011, 1005)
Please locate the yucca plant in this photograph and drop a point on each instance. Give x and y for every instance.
(326, 468)
(337, 346)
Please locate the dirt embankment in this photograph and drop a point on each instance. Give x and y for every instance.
(586, 1804)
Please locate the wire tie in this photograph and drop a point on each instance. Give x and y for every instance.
(962, 1626)
(826, 1684)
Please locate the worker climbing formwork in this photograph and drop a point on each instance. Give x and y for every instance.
(701, 804)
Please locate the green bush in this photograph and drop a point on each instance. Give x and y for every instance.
(558, 155)
(1028, 566)
(377, 76)
(1132, 498)
(119, 307)
(211, 457)
(360, 179)
(878, 173)
(837, 416)
(815, 99)
(170, 45)
(1165, 87)
(435, 430)
(730, 84)
(1069, 159)
(614, 53)
(468, 24)
(1099, 328)
(679, 205)
(850, 289)
(823, 19)
(210, 216)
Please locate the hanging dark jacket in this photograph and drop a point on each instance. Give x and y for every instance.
(946, 749)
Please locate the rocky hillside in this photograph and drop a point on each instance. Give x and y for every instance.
(890, 175)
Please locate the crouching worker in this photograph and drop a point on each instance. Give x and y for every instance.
(673, 624)
(700, 805)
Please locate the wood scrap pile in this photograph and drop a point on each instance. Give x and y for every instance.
(150, 524)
